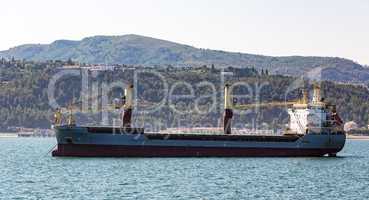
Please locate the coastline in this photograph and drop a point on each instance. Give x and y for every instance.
(358, 137)
(8, 135)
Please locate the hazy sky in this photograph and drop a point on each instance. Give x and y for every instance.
(270, 27)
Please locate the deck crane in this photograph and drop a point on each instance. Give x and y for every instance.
(300, 110)
(125, 103)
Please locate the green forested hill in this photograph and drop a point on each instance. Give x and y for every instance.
(140, 50)
(24, 95)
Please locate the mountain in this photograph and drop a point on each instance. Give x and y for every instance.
(141, 50)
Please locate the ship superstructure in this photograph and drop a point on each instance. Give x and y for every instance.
(315, 116)
(315, 129)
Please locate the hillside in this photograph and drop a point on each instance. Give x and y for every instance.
(140, 50)
(24, 95)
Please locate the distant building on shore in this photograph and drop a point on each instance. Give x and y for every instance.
(351, 125)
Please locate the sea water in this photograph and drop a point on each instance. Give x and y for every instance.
(27, 171)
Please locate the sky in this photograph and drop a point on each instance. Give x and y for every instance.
(338, 28)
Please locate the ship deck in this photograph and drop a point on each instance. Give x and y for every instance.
(216, 135)
(223, 137)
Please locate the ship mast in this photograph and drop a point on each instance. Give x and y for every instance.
(229, 106)
(128, 106)
(228, 112)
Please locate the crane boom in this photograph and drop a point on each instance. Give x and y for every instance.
(268, 104)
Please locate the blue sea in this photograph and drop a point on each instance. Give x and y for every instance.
(29, 172)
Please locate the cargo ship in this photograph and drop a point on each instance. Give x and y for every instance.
(314, 129)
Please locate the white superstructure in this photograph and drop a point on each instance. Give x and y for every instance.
(309, 116)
